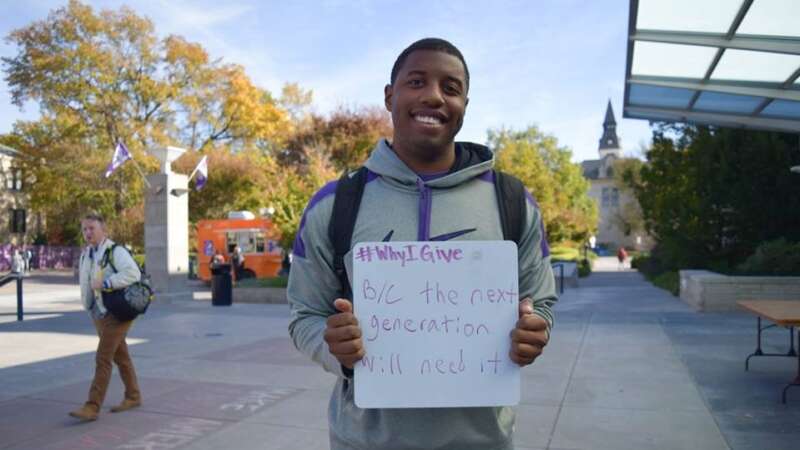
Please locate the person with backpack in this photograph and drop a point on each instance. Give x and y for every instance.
(421, 186)
(96, 274)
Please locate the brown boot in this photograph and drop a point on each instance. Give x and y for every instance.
(86, 413)
(126, 405)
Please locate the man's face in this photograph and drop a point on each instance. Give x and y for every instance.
(93, 232)
(427, 101)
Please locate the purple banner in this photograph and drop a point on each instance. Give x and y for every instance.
(44, 256)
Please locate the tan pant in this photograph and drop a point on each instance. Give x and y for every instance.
(112, 346)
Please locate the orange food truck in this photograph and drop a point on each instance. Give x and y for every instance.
(257, 239)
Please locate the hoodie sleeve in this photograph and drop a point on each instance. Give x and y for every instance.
(535, 273)
(127, 270)
(313, 285)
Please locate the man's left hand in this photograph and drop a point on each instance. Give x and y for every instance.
(529, 336)
(97, 284)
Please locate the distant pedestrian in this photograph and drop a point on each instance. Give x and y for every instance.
(27, 256)
(17, 263)
(622, 256)
(216, 260)
(237, 259)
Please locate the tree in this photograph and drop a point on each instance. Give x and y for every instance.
(297, 102)
(240, 181)
(294, 187)
(103, 78)
(347, 135)
(556, 183)
(710, 196)
(629, 217)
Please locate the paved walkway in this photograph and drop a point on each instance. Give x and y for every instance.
(629, 367)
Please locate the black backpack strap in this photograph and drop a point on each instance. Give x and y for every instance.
(512, 205)
(343, 220)
(108, 258)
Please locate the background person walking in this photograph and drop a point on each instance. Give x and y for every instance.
(622, 256)
(112, 347)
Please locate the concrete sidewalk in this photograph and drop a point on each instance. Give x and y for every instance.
(628, 367)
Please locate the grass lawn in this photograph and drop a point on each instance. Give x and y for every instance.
(563, 253)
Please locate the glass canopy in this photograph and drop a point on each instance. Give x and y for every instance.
(718, 62)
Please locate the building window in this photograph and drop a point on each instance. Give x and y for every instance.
(610, 197)
(14, 179)
(17, 221)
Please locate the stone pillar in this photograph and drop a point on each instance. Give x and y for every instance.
(166, 229)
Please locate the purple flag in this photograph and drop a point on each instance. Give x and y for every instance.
(121, 154)
(202, 173)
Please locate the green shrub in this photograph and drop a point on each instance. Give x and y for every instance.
(653, 269)
(669, 281)
(778, 257)
(139, 258)
(584, 268)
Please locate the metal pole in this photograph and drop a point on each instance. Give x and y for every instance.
(19, 298)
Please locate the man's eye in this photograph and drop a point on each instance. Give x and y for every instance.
(452, 89)
(415, 82)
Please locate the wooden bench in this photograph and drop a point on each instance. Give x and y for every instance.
(784, 314)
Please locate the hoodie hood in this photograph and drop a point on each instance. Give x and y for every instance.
(472, 160)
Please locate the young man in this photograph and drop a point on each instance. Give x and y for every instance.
(96, 274)
(420, 187)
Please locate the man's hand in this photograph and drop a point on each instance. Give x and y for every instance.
(97, 284)
(529, 336)
(343, 334)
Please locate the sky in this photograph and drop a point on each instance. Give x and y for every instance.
(550, 63)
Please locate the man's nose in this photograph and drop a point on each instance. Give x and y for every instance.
(432, 95)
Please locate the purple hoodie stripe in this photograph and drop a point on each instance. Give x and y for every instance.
(487, 176)
(424, 225)
(544, 246)
(299, 248)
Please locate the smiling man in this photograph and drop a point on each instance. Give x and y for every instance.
(421, 186)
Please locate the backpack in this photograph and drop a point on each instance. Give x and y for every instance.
(126, 303)
(511, 201)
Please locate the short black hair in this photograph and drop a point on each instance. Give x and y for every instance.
(434, 44)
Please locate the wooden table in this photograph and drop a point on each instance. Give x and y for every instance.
(783, 314)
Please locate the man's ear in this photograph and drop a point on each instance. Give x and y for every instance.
(387, 97)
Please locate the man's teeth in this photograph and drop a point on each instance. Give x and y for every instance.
(428, 119)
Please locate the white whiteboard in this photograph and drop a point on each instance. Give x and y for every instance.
(436, 319)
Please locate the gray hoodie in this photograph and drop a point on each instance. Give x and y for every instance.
(398, 205)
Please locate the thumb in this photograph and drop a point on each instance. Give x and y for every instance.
(343, 305)
(525, 307)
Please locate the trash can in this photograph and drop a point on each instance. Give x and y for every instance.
(221, 285)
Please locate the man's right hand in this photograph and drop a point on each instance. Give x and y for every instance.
(343, 334)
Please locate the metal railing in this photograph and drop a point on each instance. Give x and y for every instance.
(9, 278)
(560, 276)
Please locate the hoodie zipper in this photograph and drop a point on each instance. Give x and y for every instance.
(425, 200)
